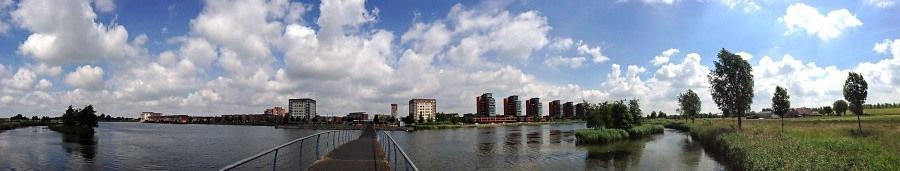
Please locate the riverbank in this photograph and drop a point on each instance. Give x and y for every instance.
(817, 143)
(605, 135)
(450, 126)
(8, 125)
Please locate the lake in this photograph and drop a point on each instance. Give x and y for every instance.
(143, 146)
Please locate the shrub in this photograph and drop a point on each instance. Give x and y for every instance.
(645, 130)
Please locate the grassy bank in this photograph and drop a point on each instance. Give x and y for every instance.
(8, 125)
(819, 143)
(450, 126)
(603, 135)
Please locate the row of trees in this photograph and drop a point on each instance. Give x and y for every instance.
(614, 114)
(84, 118)
(881, 106)
(732, 90)
(21, 117)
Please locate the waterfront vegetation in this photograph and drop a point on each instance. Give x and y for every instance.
(607, 135)
(816, 143)
(77, 122)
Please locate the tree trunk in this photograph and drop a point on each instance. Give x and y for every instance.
(782, 124)
(859, 122)
(739, 120)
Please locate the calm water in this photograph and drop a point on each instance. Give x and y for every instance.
(137, 146)
(548, 147)
(140, 146)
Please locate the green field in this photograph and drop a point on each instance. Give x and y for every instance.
(817, 143)
(888, 111)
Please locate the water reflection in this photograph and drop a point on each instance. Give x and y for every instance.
(548, 147)
(80, 146)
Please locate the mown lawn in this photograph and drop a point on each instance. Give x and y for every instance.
(818, 143)
(889, 111)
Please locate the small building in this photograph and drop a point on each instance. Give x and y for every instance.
(495, 119)
(276, 111)
(146, 116)
(357, 116)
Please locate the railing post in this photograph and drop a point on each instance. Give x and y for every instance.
(394, 154)
(317, 146)
(275, 161)
(301, 154)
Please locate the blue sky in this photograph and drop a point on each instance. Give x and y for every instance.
(220, 57)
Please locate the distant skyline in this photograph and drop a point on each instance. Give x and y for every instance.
(243, 56)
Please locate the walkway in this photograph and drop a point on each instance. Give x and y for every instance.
(359, 154)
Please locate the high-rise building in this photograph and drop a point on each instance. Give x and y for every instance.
(304, 108)
(580, 110)
(512, 106)
(422, 108)
(533, 107)
(485, 105)
(394, 111)
(569, 110)
(555, 109)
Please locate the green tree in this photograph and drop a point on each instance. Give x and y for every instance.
(855, 91)
(87, 117)
(731, 84)
(781, 103)
(421, 119)
(840, 107)
(634, 108)
(827, 110)
(68, 118)
(689, 104)
(653, 114)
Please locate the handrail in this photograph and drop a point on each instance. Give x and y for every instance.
(275, 150)
(395, 146)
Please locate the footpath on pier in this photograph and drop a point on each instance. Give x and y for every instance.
(364, 153)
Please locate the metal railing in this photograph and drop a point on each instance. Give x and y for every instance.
(297, 154)
(397, 158)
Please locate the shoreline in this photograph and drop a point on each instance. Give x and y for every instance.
(424, 127)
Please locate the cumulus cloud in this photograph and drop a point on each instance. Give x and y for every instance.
(5, 5)
(65, 32)
(86, 77)
(595, 53)
(21, 80)
(659, 2)
(105, 5)
(664, 57)
(800, 16)
(571, 62)
(511, 37)
(563, 44)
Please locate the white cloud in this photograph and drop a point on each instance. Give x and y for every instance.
(748, 6)
(86, 77)
(881, 3)
(5, 5)
(664, 57)
(105, 5)
(595, 53)
(44, 69)
(659, 2)
(21, 80)
(801, 16)
(44, 84)
(888, 46)
(571, 62)
(744, 55)
(562, 44)
(511, 37)
(65, 32)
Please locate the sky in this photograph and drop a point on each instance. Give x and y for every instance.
(242, 56)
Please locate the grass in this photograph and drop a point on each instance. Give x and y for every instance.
(818, 143)
(600, 136)
(604, 135)
(8, 125)
(886, 111)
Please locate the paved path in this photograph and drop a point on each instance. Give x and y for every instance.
(364, 153)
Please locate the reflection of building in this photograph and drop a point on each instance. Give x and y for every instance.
(302, 108)
(569, 110)
(422, 108)
(512, 106)
(145, 116)
(533, 107)
(394, 110)
(580, 111)
(276, 111)
(183, 119)
(555, 109)
(485, 105)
